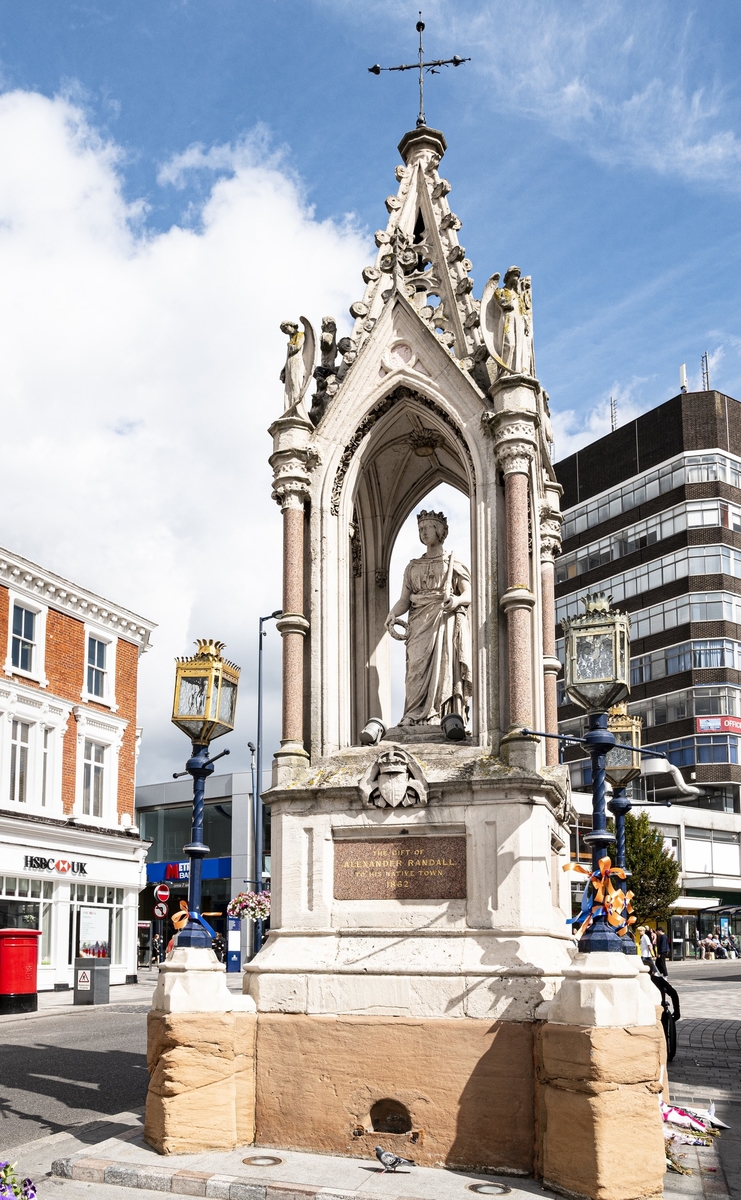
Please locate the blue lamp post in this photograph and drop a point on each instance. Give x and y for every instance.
(204, 707)
(597, 676)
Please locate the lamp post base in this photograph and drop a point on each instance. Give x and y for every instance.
(601, 936)
(194, 936)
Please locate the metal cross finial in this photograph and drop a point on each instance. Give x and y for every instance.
(422, 66)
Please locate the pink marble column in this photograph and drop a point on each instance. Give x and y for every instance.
(293, 635)
(550, 548)
(518, 599)
(548, 590)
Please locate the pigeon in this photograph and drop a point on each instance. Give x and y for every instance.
(390, 1161)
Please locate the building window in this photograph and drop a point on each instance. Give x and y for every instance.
(19, 762)
(107, 898)
(711, 851)
(92, 781)
(96, 667)
(24, 638)
(45, 751)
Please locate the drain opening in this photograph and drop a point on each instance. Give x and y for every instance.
(390, 1116)
(262, 1160)
(489, 1189)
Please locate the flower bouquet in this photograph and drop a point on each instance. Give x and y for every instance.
(11, 1186)
(254, 906)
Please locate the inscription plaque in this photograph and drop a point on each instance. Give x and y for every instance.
(407, 868)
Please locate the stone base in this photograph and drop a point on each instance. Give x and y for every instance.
(466, 1084)
(202, 1087)
(600, 1129)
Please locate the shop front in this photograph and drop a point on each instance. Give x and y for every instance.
(80, 886)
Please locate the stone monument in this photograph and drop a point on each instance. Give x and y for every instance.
(420, 986)
(420, 983)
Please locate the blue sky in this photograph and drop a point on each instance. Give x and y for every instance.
(177, 173)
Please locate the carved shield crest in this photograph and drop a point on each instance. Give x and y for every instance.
(394, 779)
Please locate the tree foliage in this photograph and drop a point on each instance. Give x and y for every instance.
(654, 873)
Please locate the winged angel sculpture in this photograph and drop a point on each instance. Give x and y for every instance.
(297, 373)
(507, 322)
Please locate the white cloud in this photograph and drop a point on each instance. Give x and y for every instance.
(139, 373)
(628, 84)
(572, 429)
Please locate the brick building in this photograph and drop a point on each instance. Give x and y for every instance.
(71, 859)
(653, 516)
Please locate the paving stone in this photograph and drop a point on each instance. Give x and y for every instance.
(190, 1183)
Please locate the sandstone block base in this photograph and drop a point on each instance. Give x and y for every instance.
(202, 1084)
(467, 1086)
(600, 1129)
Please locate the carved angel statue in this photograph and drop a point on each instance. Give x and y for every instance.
(300, 354)
(436, 593)
(507, 322)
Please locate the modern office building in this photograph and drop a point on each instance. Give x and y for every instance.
(653, 517)
(163, 813)
(71, 860)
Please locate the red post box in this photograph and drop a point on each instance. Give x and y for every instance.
(19, 953)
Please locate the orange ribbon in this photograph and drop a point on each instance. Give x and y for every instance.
(605, 897)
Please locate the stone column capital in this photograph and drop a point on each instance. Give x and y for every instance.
(292, 469)
(551, 520)
(515, 437)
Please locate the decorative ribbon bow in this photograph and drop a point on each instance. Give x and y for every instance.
(180, 919)
(601, 896)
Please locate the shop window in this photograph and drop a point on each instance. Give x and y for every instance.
(96, 922)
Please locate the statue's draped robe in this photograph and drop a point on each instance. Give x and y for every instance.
(511, 324)
(438, 675)
(294, 371)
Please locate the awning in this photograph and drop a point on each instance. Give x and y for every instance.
(694, 903)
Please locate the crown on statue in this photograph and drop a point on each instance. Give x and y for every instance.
(438, 517)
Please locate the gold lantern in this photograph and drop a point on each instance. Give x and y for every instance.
(623, 763)
(205, 693)
(597, 666)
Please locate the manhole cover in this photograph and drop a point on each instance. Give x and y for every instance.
(489, 1189)
(262, 1160)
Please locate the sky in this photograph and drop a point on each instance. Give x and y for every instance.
(178, 178)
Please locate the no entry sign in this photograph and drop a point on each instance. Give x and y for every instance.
(160, 911)
(162, 892)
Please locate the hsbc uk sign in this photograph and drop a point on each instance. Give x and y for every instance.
(62, 866)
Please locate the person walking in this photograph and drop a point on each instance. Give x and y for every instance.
(156, 947)
(646, 951)
(663, 950)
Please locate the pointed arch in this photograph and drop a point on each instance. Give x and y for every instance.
(403, 448)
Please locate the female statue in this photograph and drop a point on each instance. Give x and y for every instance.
(436, 593)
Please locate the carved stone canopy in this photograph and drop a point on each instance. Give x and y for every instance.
(394, 780)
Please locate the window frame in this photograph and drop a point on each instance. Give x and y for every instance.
(38, 672)
(47, 717)
(110, 641)
(107, 731)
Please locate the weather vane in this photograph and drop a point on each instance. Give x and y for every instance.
(422, 66)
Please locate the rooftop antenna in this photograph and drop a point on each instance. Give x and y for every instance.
(683, 377)
(705, 372)
(613, 414)
(422, 67)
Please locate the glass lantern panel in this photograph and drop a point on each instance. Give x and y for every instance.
(192, 696)
(594, 657)
(228, 702)
(215, 698)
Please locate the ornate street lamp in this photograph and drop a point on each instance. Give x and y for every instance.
(204, 707)
(597, 676)
(623, 764)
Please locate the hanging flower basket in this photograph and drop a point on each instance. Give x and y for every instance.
(253, 906)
